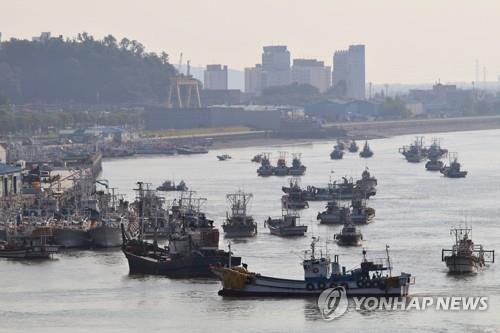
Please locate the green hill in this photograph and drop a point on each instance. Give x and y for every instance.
(83, 70)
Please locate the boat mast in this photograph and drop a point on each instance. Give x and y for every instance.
(388, 260)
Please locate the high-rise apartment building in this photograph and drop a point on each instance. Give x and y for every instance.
(313, 72)
(274, 70)
(349, 71)
(215, 77)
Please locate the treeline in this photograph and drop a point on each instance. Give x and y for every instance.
(83, 70)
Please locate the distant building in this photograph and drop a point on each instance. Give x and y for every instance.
(441, 99)
(253, 79)
(276, 66)
(215, 77)
(349, 71)
(313, 72)
(3, 152)
(44, 36)
(274, 70)
(10, 181)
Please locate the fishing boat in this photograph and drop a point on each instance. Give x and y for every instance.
(360, 213)
(297, 168)
(184, 257)
(71, 234)
(415, 152)
(38, 245)
(295, 198)
(281, 169)
(454, 169)
(366, 152)
(106, 233)
(337, 153)
(465, 257)
(353, 147)
(257, 158)
(367, 184)
(349, 235)
(348, 190)
(434, 151)
(331, 215)
(371, 278)
(287, 225)
(224, 157)
(434, 165)
(265, 168)
(169, 186)
(238, 223)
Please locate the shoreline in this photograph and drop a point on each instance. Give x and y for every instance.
(373, 130)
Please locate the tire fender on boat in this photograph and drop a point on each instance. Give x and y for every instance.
(309, 286)
(321, 285)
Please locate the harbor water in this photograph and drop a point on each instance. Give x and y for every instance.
(91, 291)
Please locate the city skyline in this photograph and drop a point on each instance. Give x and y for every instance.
(403, 48)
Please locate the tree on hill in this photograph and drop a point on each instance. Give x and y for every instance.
(83, 70)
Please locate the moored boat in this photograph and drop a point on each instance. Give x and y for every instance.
(265, 169)
(105, 233)
(366, 152)
(454, 169)
(353, 147)
(465, 257)
(337, 153)
(297, 168)
(286, 225)
(349, 235)
(239, 223)
(224, 157)
(370, 279)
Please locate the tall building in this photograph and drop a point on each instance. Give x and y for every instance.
(313, 72)
(253, 79)
(274, 70)
(276, 66)
(349, 71)
(215, 77)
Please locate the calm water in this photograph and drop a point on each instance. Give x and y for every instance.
(91, 291)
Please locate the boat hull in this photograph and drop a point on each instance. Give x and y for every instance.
(288, 231)
(35, 252)
(463, 265)
(231, 231)
(180, 267)
(71, 238)
(263, 286)
(105, 236)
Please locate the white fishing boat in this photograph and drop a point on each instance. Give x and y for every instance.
(372, 278)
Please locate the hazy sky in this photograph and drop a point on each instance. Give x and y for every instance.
(408, 41)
